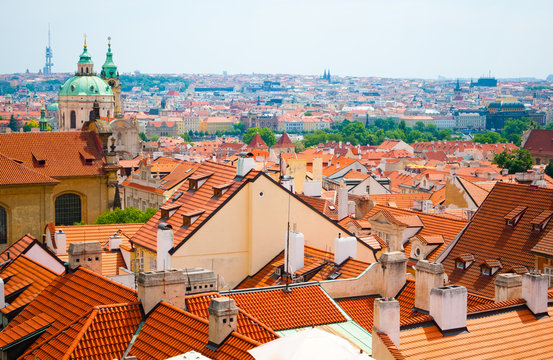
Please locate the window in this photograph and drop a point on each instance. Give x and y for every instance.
(91, 115)
(549, 272)
(3, 226)
(73, 120)
(68, 209)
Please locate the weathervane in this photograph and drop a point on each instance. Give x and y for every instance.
(109, 40)
(84, 40)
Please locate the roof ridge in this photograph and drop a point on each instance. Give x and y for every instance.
(418, 213)
(105, 278)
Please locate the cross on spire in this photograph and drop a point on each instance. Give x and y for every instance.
(85, 40)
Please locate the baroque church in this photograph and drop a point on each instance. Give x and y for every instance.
(83, 94)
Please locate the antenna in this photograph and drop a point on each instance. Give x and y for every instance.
(287, 266)
(48, 34)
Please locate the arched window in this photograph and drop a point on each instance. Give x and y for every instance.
(68, 209)
(73, 119)
(91, 115)
(3, 226)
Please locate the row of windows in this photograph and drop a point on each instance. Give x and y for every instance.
(67, 212)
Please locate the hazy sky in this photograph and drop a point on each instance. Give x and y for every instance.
(416, 38)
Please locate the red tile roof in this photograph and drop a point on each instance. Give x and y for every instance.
(169, 331)
(192, 201)
(540, 142)
(13, 173)
(17, 248)
(284, 141)
(257, 143)
(61, 161)
(103, 333)
(33, 325)
(486, 237)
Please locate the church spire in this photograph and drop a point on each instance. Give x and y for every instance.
(85, 64)
(42, 123)
(109, 69)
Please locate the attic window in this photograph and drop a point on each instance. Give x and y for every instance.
(514, 216)
(39, 160)
(190, 217)
(220, 190)
(197, 180)
(540, 222)
(177, 196)
(87, 159)
(490, 267)
(168, 210)
(464, 261)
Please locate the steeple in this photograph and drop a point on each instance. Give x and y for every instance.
(324, 75)
(85, 64)
(42, 123)
(109, 69)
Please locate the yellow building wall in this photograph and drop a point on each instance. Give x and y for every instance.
(29, 208)
(250, 230)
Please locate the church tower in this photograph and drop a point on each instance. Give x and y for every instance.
(111, 76)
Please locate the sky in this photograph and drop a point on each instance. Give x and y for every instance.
(388, 38)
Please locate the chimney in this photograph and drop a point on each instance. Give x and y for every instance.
(508, 286)
(223, 315)
(86, 254)
(448, 307)
(164, 244)
(2, 295)
(172, 286)
(344, 248)
(296, 257)
(429, 275)
(386, 319)
(318, 169)
(393, 272)
(61, 242)
(244, 165)
(312, 188)
(115, 242)
(534, 291)
(342, 201)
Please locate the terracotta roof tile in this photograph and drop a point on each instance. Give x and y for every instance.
(169, 331)
(13, 173)
(17, 248)
(403, 201)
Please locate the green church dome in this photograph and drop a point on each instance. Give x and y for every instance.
(109, 69)
(52, 107)
(85, 85)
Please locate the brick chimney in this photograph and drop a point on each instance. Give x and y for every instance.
(448, 307)
(164, 244)
(86, 254)
(534, 291)
(223, 315)
(429, 275)
(172, 286)
(386, 319)
(508, 286)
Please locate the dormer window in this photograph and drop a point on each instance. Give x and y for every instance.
(490, 267)
(168, 210)
(197, 180)
(220, 190)
(190, 217)
(540, 222)
(514, 216)
(39, 160)
(464, 261)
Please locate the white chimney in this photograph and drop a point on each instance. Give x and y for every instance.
(342, 202)
(534, 291)
(386, 318)
(429, 275)
(164, 244)
(223, 315)
(115, 242)
(61, 242)
(296, 246)
(448, 307)
(2, 295)
(312, 188)
(244, 166)
(344, 248)
(508, 286)
(288, 183)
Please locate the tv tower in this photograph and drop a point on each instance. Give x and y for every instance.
(48, 66)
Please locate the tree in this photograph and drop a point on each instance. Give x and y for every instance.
(186, 137)
(299, 146)
(549, 169)
(126, 216)
(13, 125)
(513, 129)
(31, 124)
(143, 136)
(489, 137)
(549, 126)
(519, 160)
(154, 138)
(267, 135)
(239, 127)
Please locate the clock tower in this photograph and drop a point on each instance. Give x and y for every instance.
(111, 76)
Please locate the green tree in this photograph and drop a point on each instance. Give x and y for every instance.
(186, 137)
(143, 136)
(13, 124)
(308, 113)
(519, 160)
(267, 135)
(549, 126)
(549, 169)
(513, 129)
(154, 138)
(239, 127)
(29, 125)
(126, 216)
(299, 146)
(489, 137)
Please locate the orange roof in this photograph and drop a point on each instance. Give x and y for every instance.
(26, 278)
(170, 331)
(103, 333)
(60, 161)
(323, 206)
(247, 325)
(402, 201)
(194, 200)
(69, 297)
(487, 237)
(515, 334)
(17, 248)
(28, 328)
(13, 173)
(318, 266)
(257, 143)
(337, 165)
(101, 232)
(303, 306)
